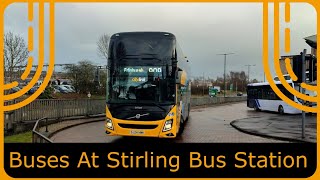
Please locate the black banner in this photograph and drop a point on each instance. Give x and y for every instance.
(156, 160)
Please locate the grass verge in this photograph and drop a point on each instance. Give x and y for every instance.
(19, 138)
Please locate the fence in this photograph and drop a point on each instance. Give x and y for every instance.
(199, 101)
(54, 109)
(37, 136)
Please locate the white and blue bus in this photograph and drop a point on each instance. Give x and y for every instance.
(260, 96)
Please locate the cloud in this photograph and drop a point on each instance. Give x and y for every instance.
(203, 30)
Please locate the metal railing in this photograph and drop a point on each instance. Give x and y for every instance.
(37, 136)
(58, 108)
(199, 101)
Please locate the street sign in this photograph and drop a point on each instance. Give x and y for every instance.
(212, 92)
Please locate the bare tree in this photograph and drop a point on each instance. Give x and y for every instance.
(82, 76)
(103, 45)
(15, 54)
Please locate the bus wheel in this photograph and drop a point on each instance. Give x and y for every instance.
(188, 112)
(256, 108)
(281, 110)
(181, 127)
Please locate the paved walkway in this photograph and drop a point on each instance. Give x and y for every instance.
(286, 127)
(57, 127)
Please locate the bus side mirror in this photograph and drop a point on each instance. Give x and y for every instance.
(174, 60)
(178, 78)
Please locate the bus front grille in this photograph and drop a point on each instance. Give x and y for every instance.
(137, 126)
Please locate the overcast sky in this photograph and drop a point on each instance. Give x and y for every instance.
(203, 30)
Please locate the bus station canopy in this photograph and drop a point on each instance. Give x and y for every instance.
(312, 41)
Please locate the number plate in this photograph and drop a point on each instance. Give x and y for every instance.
(136, 132)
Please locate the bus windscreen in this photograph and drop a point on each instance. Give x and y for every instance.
(142, 84)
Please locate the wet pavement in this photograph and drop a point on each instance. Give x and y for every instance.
(286, 127)
(206, 125)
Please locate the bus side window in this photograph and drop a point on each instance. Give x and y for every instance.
(272, 96)
(260, 94)
(250, 93)
(264, 93)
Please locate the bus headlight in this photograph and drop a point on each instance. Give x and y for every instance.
(167, 125)
(109, 124)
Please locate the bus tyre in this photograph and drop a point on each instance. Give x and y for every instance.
(281, 110)
(181, 127)
(188, 112)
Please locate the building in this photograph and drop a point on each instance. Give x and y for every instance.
(283, 64)
(312, 42)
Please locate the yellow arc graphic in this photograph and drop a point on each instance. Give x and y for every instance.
(309, 87)
(11, 85)
(276, 62)
(30, 48)
(290, 71)
(41, 60)
(28, 68)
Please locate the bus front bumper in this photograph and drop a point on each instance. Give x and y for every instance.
(140, 128)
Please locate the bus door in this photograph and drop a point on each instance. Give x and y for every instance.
(251, 101)
(184, 101)
(179, 95)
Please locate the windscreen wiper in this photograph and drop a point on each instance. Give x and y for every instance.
(129, 56)
(122, 104)
(153, 56)
(155, 105)
(130, 104)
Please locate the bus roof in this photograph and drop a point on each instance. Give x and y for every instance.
(267, 83)
(143, 33)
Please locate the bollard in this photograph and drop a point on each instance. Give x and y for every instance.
(46, 124)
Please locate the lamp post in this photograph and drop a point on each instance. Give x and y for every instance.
(249, 71)
(224, 74)
(203, 83)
